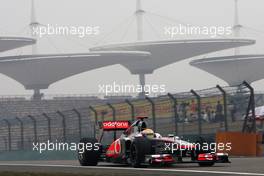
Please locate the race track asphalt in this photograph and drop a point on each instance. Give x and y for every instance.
(239, 166)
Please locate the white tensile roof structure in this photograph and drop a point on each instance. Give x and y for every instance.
(167, 52)
(40, 71)
(233, 69)
(9, 43)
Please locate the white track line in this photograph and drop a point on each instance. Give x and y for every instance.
(135, 169)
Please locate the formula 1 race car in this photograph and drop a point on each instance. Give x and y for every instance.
(138, 146)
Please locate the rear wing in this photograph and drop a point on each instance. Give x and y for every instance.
(114, 125)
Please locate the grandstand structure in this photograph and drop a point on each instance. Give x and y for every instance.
(233, 69)
(140, 58)
(167, 52)
(31, 70)
(236, 68)
(172, 113)
(19, 107)
(164, 53)
(9, 43)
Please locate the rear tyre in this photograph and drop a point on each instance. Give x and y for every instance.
(89, 157)
(138, 149)
(206, 164)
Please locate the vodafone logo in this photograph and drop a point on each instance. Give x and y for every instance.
(116, 125)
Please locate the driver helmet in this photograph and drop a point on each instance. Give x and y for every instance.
(149, 133)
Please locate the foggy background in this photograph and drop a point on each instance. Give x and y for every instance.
(109, 14)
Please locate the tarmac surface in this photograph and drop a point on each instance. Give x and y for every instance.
(239, 166)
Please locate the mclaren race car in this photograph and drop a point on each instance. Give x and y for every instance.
(138, 146)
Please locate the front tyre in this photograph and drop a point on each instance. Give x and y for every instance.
(138, 149)
(89, 157)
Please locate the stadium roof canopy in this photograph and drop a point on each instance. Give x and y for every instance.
(167, 52)
(233, 69)
(9, 43)
(39, 71)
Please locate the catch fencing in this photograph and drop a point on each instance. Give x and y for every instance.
(197, 113)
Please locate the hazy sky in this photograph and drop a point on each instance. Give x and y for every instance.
(15, 17)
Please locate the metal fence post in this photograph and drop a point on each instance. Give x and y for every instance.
(79, 122)
(63, 125)
(176, 116)
(198, 98)
(95, 119)
(9, 133)
(225, 105)
(251, 107)
(113, 114)
(113, 110)
(21, 132)
(95, 114)
(35, 128)
(153, 110)
(49, 125)
(132, 109)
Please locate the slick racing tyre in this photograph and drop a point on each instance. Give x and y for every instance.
(89, 157)
(138, 149)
